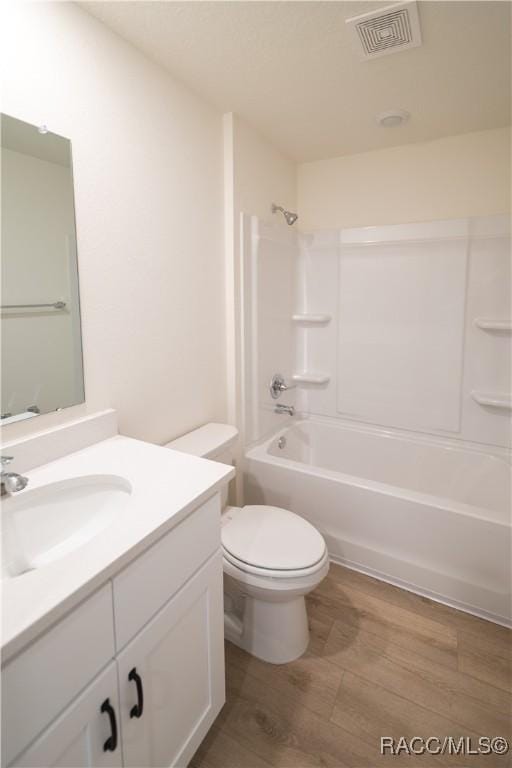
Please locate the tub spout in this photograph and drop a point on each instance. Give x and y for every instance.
(282, 408)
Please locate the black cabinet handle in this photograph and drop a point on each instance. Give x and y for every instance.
(137, 709)
(111, 743)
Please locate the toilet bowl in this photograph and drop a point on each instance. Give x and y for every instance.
(272, 558)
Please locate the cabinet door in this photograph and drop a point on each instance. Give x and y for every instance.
(39, 683)
(77, 738)
(171, 676)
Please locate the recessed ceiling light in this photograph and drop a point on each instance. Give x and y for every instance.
(392, 118)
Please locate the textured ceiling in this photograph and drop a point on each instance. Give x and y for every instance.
(289, 68)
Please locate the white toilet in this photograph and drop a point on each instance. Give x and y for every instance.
(272, 559)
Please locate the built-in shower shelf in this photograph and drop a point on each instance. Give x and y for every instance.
(310, 378)
(493, 325)
(311, 319)
(494, 400)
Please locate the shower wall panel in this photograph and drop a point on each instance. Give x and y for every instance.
(401, 333)
(404, 347)
(270, 258)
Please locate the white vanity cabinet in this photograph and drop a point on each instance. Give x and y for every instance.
(134, 675)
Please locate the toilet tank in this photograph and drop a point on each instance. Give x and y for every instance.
(212, 441)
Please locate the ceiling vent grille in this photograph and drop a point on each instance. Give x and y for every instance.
(389, 30)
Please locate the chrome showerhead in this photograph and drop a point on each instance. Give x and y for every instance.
(290, 217)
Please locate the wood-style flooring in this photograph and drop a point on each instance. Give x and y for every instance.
(381, 662)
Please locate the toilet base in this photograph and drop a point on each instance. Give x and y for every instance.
(276, 632)
(267, 616)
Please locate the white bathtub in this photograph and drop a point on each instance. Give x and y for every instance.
(423, 513)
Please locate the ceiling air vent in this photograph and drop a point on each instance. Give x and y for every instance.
(388, 30)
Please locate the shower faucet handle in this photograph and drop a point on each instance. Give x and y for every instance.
(278, 385)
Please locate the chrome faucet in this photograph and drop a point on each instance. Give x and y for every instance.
(278, 385)
(11, 481)
(282, 408)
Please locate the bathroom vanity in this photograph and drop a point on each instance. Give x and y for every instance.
(113, 645)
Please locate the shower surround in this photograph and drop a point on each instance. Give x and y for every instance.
(397, 340)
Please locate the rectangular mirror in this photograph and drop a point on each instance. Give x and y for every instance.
(42, 368)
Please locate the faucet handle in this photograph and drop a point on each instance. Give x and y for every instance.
(278, 385)
(4, 460)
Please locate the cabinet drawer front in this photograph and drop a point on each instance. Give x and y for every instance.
(147, 583)
(44, 678)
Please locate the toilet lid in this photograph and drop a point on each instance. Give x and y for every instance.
(272, 538)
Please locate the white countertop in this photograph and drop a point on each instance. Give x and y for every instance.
(166, 486)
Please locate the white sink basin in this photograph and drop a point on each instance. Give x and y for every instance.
(43, 525)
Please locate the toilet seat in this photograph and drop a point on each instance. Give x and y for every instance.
(274, 574)
(273, 542)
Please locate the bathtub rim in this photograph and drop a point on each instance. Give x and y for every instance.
(258, 451)
(449, 442)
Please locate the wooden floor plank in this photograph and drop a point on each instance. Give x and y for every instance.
(286, 734)
(311, 679)
(463, 699)
(486, 660)
(371, 712)
(376, 610)
(220, 750)
(459, 620)
(431, 639)
(318, 634)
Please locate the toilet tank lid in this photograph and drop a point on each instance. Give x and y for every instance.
(205, 441)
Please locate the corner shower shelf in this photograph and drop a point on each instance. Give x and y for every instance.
(310, 378)
(496, 401)
(311, 319)
(493, 325)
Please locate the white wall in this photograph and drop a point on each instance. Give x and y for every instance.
(262, 174)
(457, 176)
(147, 157)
